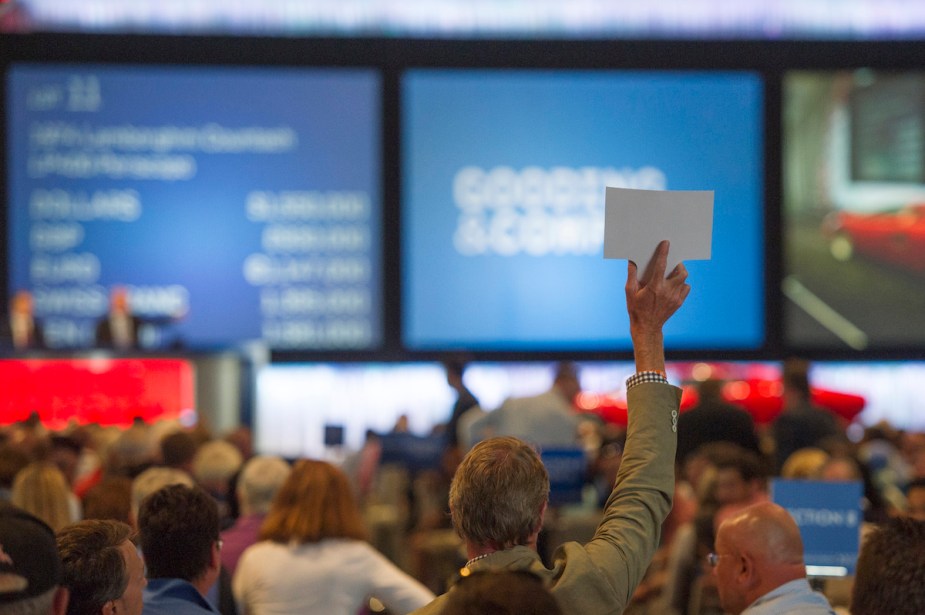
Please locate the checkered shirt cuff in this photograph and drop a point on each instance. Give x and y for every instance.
(646, 376)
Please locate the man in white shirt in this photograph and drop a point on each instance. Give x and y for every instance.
(758, 565)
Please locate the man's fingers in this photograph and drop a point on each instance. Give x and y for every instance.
(679, 272)
(632, 283)
(659, 262)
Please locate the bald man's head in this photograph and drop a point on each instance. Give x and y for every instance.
(759, 550)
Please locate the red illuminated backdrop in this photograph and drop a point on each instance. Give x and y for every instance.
(104, 391)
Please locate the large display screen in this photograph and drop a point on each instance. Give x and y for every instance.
(854, 210)
(232, 204)
(504, 174)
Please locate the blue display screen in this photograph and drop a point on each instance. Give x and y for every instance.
(233, 204)
(503, 179)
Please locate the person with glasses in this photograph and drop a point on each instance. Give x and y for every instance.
(758, 565)
(500, 492)
(178, 528)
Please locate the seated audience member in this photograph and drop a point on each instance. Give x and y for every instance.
(802, 423)
(804, 464)
(179, 531)
(714, 420)
(30, 570)
(313, 557)
(741, 479)
(178, 449)
(501, 592)
(41, 489)
(915, 499)
(547, 420)
(500, 492)
(758, 565)
(845, 468)
(65, 453)
(154, 479)
(111, 499)
(257, 486)
(133, 450)
(214, 465)
(12, 460)
(889, 578)
(102, 569)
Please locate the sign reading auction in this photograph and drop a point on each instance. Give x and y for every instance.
(829, 516)
(232, 204)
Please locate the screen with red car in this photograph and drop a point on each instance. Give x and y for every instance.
(854, 210)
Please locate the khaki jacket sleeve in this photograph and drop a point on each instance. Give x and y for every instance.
(629, 533)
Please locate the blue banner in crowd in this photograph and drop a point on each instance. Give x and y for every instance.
(829, 516)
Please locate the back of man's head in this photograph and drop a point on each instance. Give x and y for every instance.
(178, 526)
(30, 570)
(94, 567)
(890, 574)
(567, 380)
(260, 479)
(498, 493)
(178, 450)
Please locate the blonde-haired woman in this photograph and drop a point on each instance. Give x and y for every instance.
(313, 556)
(41, 489)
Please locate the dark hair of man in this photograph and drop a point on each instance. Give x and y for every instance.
(178, 525)
(890, 574)
(111, 498)
(94, 568)
(498, 493)
(177, 448)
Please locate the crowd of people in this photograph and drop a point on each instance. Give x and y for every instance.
(158, 519)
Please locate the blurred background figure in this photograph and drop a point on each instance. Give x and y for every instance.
(20, 329)
(464, 398)
(801, 423)
(41, 490)
(313, 557)
(547, 420)
(215, 464)
(915, 499)
(119, 329)
(110, 499)
(258, 484)
(714, 420)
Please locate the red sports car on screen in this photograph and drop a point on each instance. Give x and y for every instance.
(896, 236)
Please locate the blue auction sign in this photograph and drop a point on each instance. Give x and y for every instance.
(503, 184)
(233, 204)
(829, 516)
